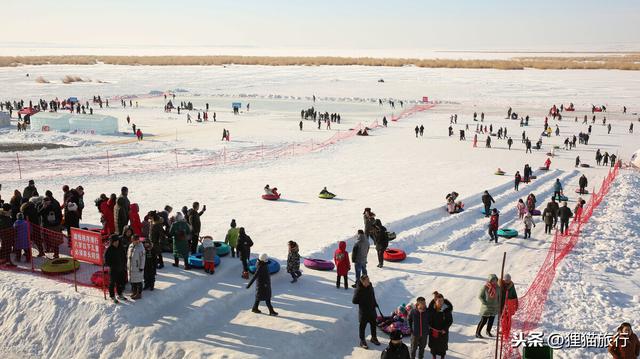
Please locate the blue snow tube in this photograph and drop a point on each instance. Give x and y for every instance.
(490, 210)
(222, 249)
(272, 265)
(561, 198)
(195, 260)
(507, 233)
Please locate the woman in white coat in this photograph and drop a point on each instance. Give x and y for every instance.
(135, 261)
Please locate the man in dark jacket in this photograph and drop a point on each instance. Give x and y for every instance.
(487, 200)
(30, 191)
(193, 217)
(365, 298)
(381, 240)
(51, 219)
(244, 251)
(263, 286)
(419, 323)
(115, 259)
(582, 182)
(555, 207)
(396, 349)
(547, 217)
(565, 213)
(121, 210)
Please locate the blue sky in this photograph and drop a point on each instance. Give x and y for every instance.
(462, 24)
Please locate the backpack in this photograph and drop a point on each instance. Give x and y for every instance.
(51, 217)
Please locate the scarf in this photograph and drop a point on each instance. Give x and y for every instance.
(491, 289)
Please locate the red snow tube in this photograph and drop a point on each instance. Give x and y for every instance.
(597, 109)
(100, 277)
(394, 255)
(318, 264)
(271, 197)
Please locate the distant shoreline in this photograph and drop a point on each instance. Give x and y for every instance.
(628, 61)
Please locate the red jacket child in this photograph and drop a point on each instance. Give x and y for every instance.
(341, 259)
(493, 222)
(134, 217)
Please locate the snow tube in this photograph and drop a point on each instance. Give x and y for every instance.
(570, 109)
(400, 325)
(272, 265)
(490, 210)
(326, 195)
(500, 173)
(556, 147)
(195, 260)
(507, 233)
(318, 264)
(60, 266)
(543, 168)
(585, 165)
(100, 277)
(271, 197)
(536, 212)
(586, 191)
(222, 249)
(391, 235)
(561, 198)
(597, 109)
(394, 255)
(533, 177)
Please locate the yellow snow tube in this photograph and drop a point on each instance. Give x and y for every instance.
(60, 266)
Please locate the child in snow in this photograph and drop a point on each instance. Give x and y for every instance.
(343, 265)
(528, 223)
(522, 208)
(232, 238)
(293, 262)
(150, 265)
(493, 226)
(136, 262)
(208, 255)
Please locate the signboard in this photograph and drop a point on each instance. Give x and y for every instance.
(87, 246)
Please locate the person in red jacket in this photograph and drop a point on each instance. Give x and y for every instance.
(106, 209)
(341, 259)
(547, 163)
(134, 217)
(493, 225)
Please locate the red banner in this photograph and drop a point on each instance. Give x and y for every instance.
(87, 246)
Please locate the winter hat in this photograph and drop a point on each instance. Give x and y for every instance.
(507, 277)
(263, 257)
(233, 223)
(492, 277)
(396, 335)
(31, 182)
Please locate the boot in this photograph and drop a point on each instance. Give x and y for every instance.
(375, 341)
(363, 344)
(245, 275)
(175, 262)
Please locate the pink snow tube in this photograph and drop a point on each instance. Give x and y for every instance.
(318, 264)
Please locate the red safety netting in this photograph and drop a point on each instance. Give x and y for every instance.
(531, 304)
(44, 251)
(411, 111)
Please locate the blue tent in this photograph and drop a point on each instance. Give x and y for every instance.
(72, 99)
(237, 105)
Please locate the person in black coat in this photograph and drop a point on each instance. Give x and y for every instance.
(365, 298)
(263, 286)
(116, 259)
(244, 251)
(564, 213)
(487, 200)
(381, 240)
(396, 349)
(582, 182)
(440, 319)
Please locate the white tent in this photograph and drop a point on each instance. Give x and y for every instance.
(5, 119)
(67, 122)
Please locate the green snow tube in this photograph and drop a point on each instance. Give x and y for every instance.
(507, 233)
(326, 195)
(222, 249)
